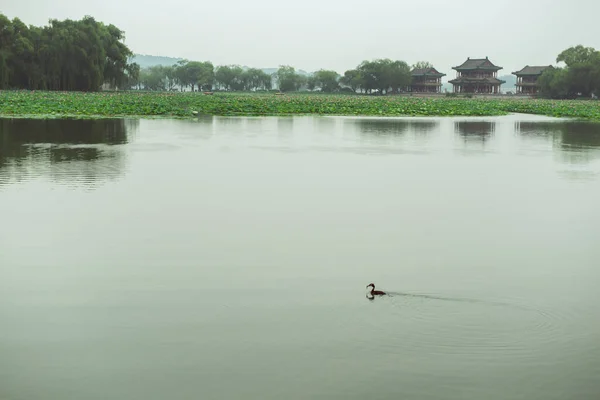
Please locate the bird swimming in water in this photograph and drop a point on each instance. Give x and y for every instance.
(375, 292)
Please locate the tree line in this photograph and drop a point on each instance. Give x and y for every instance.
(580, 76)
(201, 76)
(85, 55)
(376, 76)
(65, 55)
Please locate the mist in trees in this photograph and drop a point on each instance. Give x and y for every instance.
(201, 76)
(380, 76)
(325, 80)
(85, 55)
(234, 77)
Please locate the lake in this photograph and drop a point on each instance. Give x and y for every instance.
(227, 258)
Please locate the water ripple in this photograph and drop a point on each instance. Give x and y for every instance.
(471, 328)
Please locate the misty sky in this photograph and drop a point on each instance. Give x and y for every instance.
(338, 34)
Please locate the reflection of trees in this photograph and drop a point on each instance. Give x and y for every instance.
(475, 130)
(581, 135)
(536, 128)
(325, 124)
(392, 130)
(424, 126)
(570, 134)
(382, 126)
(223, 121)
(67, 131)
(285, 125)
(576, 141)
(67, 150)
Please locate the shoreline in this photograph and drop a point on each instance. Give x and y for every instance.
(193, 118)
(192, 105)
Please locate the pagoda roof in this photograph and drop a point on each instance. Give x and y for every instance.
(489, 80)
(477, 63)
(426, 72)
(532, 71)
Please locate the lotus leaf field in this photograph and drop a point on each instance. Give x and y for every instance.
(185, 105)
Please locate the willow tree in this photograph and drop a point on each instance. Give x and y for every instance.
(383, 75)
(288, 79)
(64, 55)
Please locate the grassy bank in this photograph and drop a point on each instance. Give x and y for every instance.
(111, 104)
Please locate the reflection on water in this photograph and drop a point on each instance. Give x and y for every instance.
(385, 132)
(424, 126)
(396, 126)
(73, 152)
(382, 126)
(230, 261)
(575, 141)
(575, 134)
(475, 131)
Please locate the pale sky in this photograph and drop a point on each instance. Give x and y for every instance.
(338, 34)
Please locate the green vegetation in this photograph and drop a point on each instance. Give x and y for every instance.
(113, 104)
(378, 76)
(580, 77)
(66, 55)
(87, 55)
(234, 77)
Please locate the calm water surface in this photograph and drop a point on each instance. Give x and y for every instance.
(227, 258)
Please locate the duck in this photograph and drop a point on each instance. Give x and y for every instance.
(375, 292)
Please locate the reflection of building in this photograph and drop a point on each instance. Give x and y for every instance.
(477, 75)
(378, 126)
(537, 128)
(527, 79)
(426, 80)
(69, 151)
(475, 129)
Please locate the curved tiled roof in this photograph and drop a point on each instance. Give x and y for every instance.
(528, 70)
(477, 63)
(426, 72)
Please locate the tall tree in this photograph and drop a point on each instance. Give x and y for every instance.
(577, 55)
(384, 75)
(352, 79)
(580, 77)
(65, 55)
(231, 77)
(422, 65)
(255, 79)
(326, 80)
(288, 79)
(554, 84)
(6, 40)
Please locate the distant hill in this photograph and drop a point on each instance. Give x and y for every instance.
(147, 61)
(511, 81)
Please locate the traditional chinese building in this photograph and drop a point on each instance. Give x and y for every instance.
(477, 75)
(527, 79)
(426, 80)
